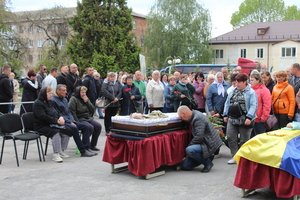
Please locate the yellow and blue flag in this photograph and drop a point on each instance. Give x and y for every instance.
(279, 149)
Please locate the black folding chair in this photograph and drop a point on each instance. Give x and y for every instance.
(28, 120)
(10, 124)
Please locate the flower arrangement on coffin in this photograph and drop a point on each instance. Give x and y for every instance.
(218, 125)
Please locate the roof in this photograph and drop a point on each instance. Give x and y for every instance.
(46, 13)
(138, 15)
(261, 32)
(66, 12)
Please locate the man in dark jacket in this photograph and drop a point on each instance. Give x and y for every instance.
(295, 78)
(90, 83)
(62, 77)
(41, 75)
(73, 80)
(6, 89)
(61, 105)
(204, 143)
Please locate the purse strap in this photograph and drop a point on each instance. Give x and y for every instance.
(278, 98)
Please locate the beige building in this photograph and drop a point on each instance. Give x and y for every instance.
(275, 44)
(42, 28)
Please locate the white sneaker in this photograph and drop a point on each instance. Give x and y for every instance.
(231, 161)
(56, 158)
(64, 155)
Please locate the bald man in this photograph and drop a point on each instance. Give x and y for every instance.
(177, 76)
(204, 143)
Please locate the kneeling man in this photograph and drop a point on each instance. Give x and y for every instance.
(205, 140)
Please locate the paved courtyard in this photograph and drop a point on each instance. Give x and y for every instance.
(90, 178)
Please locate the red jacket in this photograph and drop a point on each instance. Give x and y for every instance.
(264, 100)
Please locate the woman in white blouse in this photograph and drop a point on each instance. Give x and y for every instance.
(155, 92)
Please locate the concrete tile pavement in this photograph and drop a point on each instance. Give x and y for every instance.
(90, 178)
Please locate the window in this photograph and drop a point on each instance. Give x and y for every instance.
(133, 24)
(20, 29)
(50, 43)
(219, 53)
(30, 29)
(142, 40)
(288, 52)
(39, 30)
(30, 43)
(40, 57)
(260, 53)
(40, 43)
(243, 53)
(262, 31)
(14, 28)
(62, 42)
(30, 58)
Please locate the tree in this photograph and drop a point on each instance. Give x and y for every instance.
(53, 25)
(12, 47)
(292, 13)
(178, 28)
(102, 36)
(251, 11)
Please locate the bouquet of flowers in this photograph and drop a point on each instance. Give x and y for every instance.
(218, 125)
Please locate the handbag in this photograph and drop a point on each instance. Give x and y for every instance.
(271, 121)
(238, 121)
(241, 122)
(235, 111)
(101, 102)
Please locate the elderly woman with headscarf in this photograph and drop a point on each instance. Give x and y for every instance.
(217, 94)
(155, 92)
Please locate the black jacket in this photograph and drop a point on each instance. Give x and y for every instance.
(44, 111)
(90, 83)
(204, 134)
(29, 92)
(128, 106)
(6, 89)
(111, 90)
(73, 81)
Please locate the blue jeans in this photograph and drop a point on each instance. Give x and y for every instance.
(100, 113)
(194, 157)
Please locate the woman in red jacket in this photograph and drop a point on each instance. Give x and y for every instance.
(264, 103)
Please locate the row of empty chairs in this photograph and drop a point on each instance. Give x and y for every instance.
(14, 127)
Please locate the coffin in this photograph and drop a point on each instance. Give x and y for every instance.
(146, 127)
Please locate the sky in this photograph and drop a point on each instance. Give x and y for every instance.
(220, 10)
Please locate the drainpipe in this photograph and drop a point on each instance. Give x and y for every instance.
(268, 56)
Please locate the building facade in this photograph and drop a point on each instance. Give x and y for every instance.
(40, 29)
(274, 44)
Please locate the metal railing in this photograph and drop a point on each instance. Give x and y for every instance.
(18, 103)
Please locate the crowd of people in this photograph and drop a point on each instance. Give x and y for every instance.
(65, 103)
